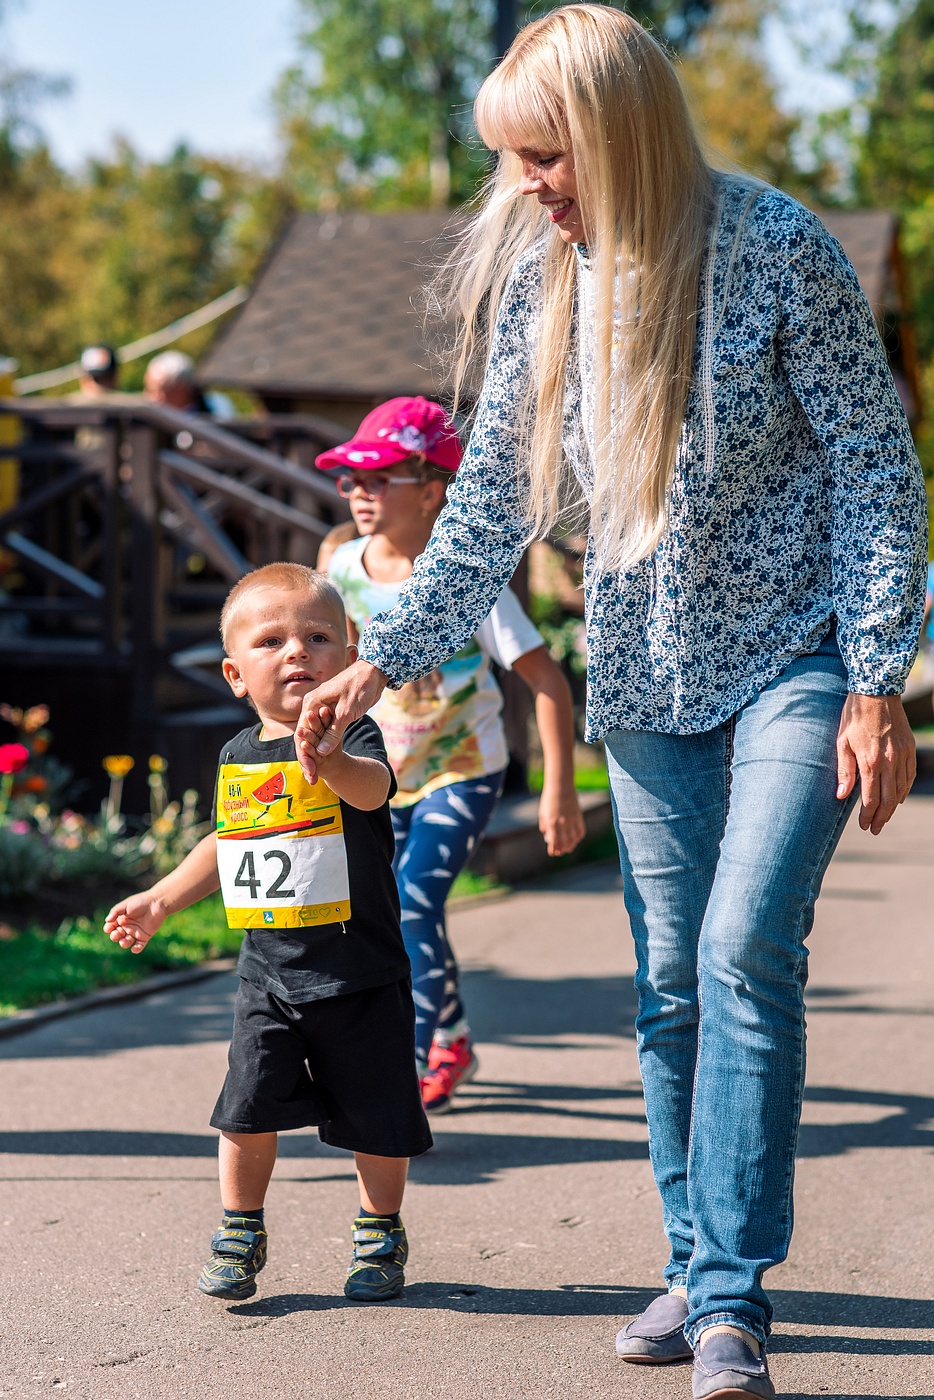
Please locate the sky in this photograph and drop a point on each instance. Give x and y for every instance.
(156, 71)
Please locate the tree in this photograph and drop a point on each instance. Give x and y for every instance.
(376, 110)
(153, 240)
(735, 99)
(35, 210)
(895, 168)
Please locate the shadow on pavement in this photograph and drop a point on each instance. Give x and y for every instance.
(191, 1015)
(850, 1309)
(819, 997)
(489, 1097)
(463, 1157)
(906, 1125)
(852, 1346)
(504, 1009)
(458, 1158)
(619, 1300)
(567, 1300)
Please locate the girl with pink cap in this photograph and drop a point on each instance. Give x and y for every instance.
(444, 732)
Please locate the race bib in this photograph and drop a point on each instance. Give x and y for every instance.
(280, 848)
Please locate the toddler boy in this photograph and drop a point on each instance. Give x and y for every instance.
(324, 1020)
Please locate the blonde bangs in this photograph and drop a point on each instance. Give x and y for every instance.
(515, 111)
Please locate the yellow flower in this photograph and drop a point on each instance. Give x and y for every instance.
(157, 763)
(117, 765)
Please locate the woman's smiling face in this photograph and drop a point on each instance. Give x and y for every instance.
(551, 178)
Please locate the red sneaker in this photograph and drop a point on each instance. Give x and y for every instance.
(448, 1068)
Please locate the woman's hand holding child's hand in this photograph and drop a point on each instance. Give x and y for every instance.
(133, 921)
(345, 698)
(560, 819)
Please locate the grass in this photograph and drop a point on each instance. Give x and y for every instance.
(38, 965)
(593, 779)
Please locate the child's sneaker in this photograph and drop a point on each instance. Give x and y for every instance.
(380, 1250)
(449, 1066)
(237, 1256)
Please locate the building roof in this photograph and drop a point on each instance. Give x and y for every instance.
(334, 311)
(868, 237)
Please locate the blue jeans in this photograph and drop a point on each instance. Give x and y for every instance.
(724, 838)
(434, 837)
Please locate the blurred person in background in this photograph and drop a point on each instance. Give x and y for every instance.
(97, 378)
(170, 382)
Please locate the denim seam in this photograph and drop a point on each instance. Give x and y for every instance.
(729, 732)
(812, 896)
(730, 728)
(725, 1319)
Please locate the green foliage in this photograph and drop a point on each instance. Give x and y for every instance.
(895, 165)
(471, 886)
(155, 239)
(895, 170)
(124, 247)
(896, 160)
(25, 862)
(733, 95)
(564, 636)
(98, 856)
(35, 203)
(377, 109)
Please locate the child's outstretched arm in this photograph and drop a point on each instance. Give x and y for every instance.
(559, 814)
(361, 781)
(132, 922)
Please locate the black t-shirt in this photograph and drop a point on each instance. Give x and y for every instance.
(257, 853)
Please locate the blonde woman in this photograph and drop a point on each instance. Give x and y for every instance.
(685, 360)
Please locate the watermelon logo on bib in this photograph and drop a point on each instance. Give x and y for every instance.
(269, 792)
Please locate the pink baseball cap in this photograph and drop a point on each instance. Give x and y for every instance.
(394, 431)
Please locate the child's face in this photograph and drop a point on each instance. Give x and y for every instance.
(401, 500)
(284, 645)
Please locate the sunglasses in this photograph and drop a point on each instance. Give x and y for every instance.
(372, 485)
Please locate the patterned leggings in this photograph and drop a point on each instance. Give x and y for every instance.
(434, 837)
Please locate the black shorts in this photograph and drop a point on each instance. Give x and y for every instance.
(345, 1064)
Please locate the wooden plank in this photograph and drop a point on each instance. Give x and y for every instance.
(236, 449)
(47, 495)
(217, 546)
(52, 567)
(228, 486)
(111, 571)
(138, 474)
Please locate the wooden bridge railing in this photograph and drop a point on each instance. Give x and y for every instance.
(128, 527)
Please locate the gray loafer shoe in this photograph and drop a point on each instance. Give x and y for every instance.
(656, 1338)
(725, 1368)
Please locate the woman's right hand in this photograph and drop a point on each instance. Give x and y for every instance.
(327, 712)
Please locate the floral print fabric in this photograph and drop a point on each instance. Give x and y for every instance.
(797, 497)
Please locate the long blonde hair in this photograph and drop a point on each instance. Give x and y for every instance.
(590, 79)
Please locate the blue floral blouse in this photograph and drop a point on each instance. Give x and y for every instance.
(797, 496)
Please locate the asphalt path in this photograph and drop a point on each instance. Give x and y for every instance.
(534, 1223)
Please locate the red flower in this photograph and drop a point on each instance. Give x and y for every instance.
(13, 757)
